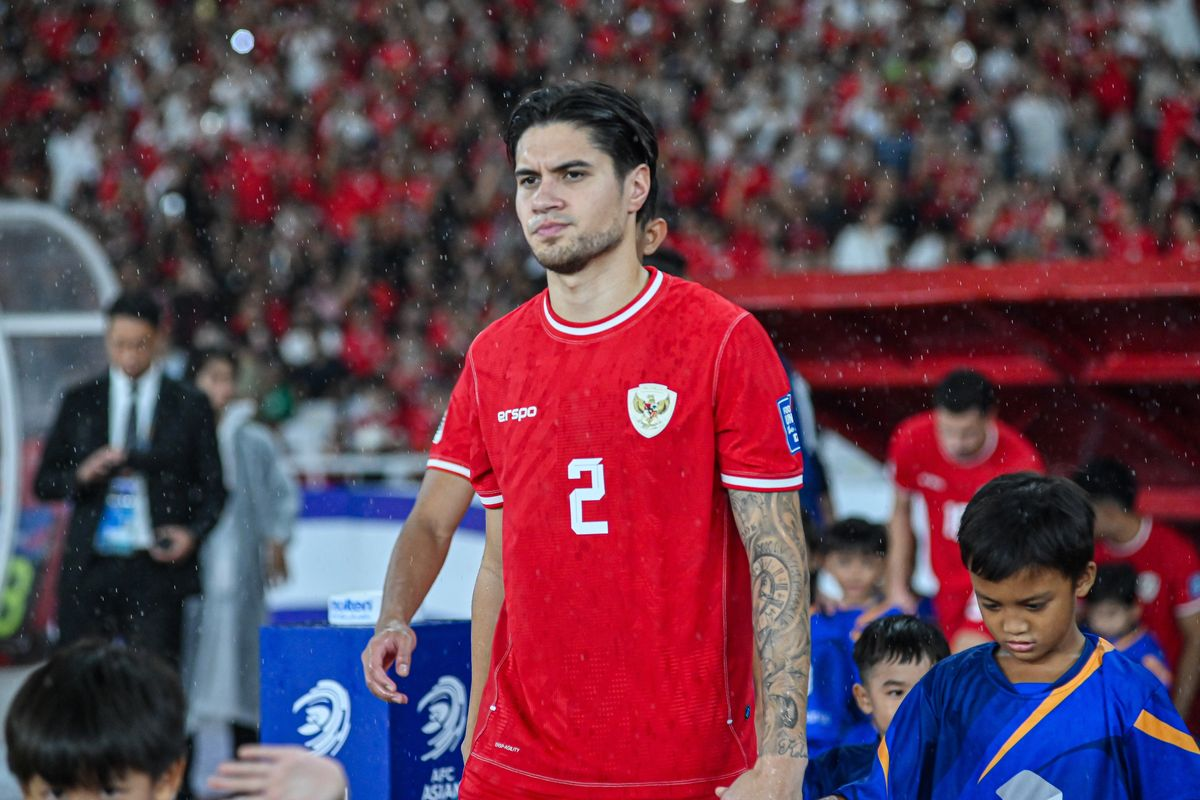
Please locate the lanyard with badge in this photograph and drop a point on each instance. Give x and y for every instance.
(124, 527)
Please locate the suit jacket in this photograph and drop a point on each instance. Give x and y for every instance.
(181, 466)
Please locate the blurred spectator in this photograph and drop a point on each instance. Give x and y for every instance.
(869, 246)
(244, 552)
(1185, 238)
(1039, 119)
(72, 160)
(1175, 22)
(943, 457)
(1112, 610)
(1167, 563)
(136, 452)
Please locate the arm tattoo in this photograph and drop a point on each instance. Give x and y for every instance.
(771, 530)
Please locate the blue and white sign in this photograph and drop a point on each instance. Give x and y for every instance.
(355, 608)
(313, 695)
(326, 710)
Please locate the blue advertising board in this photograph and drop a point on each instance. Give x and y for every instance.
(313, 695)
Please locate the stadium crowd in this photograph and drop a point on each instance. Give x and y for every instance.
(325, 183)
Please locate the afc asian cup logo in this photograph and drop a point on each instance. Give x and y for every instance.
(446, 704)
(326, 709)
(651, 406)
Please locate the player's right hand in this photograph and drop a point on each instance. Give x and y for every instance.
(393, 643)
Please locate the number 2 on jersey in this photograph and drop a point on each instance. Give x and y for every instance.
(575, 471)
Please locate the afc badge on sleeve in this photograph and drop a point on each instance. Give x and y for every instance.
(788, 417)
(651, 406)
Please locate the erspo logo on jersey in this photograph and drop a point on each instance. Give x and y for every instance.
(517, 414)
(326, 708)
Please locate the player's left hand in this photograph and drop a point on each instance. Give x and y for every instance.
(773, 778)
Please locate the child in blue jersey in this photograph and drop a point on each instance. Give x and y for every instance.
(892, 654)
(1045, 712)
(853, 552)
(1114, 613)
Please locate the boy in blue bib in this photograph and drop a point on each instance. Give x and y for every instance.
(1046, 712)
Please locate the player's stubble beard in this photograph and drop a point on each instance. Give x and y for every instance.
(571, 257)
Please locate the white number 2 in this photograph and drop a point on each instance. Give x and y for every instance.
(582, 495)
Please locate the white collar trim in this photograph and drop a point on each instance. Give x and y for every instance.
(1133, 545)
(608, 324)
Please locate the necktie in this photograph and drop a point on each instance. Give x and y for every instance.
(131, 426)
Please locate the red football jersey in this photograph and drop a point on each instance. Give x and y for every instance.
(1168, 569)
(625, 668)
(918, 465)
(451, 447)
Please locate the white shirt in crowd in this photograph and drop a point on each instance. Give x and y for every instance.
(1040, 123)
(864, 248)
(73, 160)
(1178, 28)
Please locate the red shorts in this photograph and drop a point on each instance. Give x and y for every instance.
(472, 788)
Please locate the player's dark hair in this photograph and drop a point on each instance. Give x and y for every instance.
(901, 639)
(965, 390)
(855, 535)
(614, 121)
(93, 712)
(668, 260)
(1116, 583)
(1027, 521)
(1108, 479)
(199, 359)
(137, 304)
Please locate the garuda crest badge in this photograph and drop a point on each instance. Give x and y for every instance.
(651, 406)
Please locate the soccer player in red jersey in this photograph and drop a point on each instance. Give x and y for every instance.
(945, 455)
(1168, 567)
(628, 427)
(424, 541)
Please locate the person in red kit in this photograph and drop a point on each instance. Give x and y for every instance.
(1168, 567)
(945, 455)
(634, 444)
(424, 541)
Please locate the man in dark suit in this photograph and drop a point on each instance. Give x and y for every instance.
(136, 452)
